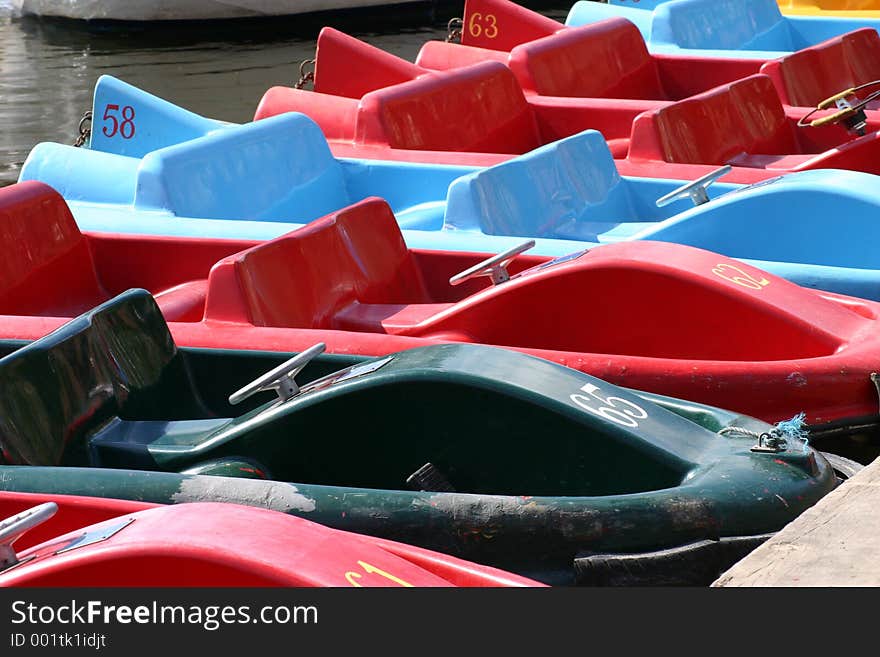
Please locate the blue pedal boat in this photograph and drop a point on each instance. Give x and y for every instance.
(718, 28)
(261, 180)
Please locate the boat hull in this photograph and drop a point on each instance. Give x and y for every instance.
(104, 542)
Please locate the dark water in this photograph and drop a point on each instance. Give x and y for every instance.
(219, 69)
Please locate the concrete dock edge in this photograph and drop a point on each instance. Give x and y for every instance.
(834, 543)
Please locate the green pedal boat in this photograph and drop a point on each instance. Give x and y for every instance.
(483, 453)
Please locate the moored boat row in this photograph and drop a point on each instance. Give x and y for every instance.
(485, 304)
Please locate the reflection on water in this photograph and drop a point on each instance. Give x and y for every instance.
(219, 69)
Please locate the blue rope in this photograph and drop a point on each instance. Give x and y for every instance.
(794, 429)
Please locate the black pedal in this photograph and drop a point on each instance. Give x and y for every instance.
(429, 478)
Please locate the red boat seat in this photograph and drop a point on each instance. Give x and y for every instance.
(715, 127)
(478, 109)
(48, 269)
(807, 77)
(319, 276)
(51, 271)
(564, 64)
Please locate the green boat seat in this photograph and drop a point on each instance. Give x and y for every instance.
(116, 361)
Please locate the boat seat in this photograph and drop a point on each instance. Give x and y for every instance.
(563, 190)
(328, 273)
(480, 108)
(807, 77)
(117, 360)
(48, 268)
(564, 64)
(215, 176)
(724, 25)
(51, 271)
(715, 127)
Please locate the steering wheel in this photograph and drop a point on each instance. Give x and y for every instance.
(280, 379)
(850, 109)
(11, 529)
(695, 190)
(494, 267)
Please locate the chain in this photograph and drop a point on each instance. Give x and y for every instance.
(453, 30)
(84, 132)
(304, 76)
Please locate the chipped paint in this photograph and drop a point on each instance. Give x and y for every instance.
(274, 495)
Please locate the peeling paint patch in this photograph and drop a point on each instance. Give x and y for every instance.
(796, 379)
(275, 495)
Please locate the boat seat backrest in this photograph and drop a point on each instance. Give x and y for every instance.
(723, 25)
(61, 387)
(537, 194)
(710, 128)
(303, 279)
(46, 261)
(478, 108)
(608, 59)
(277, 169)
(808, 76)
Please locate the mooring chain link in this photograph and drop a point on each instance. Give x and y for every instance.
(84, 132)
(453, 30)
(305, 76)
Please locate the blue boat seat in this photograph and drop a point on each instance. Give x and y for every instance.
(719, 28)
(569, 189)
(109, 362)
(730, 25)
(277, 169)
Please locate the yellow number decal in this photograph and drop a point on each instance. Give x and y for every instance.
(491, 26)
(487, 26)
(351, 576)
(474, 26)
(740, 277)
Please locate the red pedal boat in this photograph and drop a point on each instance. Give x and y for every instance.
(104, 542)
(653, 316)
(391, 109)
(612, 60)
(604, 60)
(370, 103)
